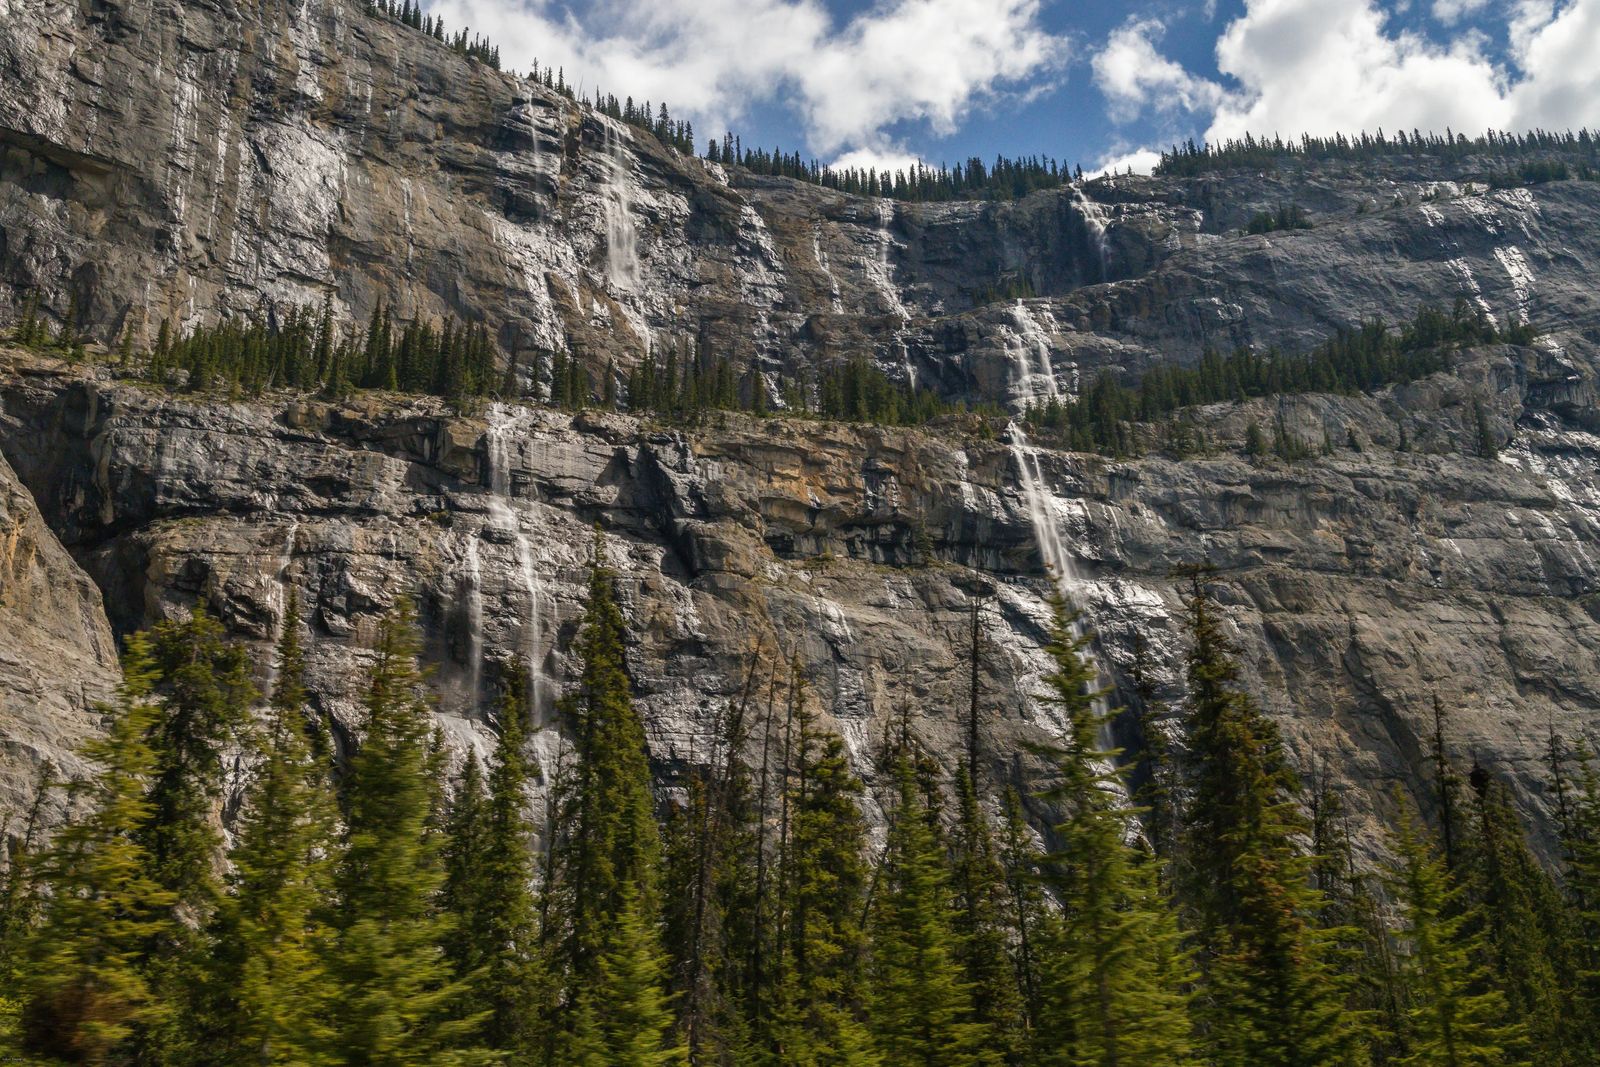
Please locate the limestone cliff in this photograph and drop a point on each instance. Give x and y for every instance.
(194, 160)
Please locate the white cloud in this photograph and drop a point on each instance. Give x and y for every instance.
(1450, 12)
(1135, 77)
(872, 159)
(1140, 160)
(1326, 66)
(929, 61)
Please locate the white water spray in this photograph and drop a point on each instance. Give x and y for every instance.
(622, 241)
(474, 622)
(279, 597)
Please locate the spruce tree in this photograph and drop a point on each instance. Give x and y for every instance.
(86, 992)
(1529, 926)
(1115, 975)
(1271, 995)
(397, 1002)
(822, 991)
(490, 890)
(1455, 1016)
(921, 1009)
(606, 855)
(270, 981)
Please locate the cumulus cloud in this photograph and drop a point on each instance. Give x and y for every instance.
(1326, 66)
(924, 61)
(890, 159)
(1140, 161)
(1135, 77)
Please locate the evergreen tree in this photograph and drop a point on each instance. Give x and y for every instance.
(86, 992)
(270, 980)
(1529, 926)
(1115, 974)
(624, 1016)
(1456, 1017)
(1271, 995)
(820, 989)
(921, 1009)
(491, 885)
(396, 1002)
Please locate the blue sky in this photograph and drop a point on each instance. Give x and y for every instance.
(1088, 81)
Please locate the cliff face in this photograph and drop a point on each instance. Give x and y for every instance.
(193, 160)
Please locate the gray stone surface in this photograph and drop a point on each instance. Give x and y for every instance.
(196, 160)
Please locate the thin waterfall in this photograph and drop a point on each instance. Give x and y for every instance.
(1094, 220)
(1058, 558)
(283, 582)
(622, 241)
(505, 515)
(474, 622)
(1027, 345)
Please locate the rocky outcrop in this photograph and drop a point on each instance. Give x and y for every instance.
(195, 160)
(1359, 584)
(57, 660)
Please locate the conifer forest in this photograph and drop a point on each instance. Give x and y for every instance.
(497, 570)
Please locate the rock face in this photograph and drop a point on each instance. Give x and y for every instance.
(57, 660)
(191, 161)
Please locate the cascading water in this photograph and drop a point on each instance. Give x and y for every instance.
(1094, 221)
(1029, 344)
(622, 241)
(505, 516)
(1058, 559)
(279, 597)
(474, 621)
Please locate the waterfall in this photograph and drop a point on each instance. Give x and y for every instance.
(881, 269)
(622, 244)
(474, 623)
(1094, 220)
(1058, 559)
(1027, 345)
(278, 597)
(505, 516)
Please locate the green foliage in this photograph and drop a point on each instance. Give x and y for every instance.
(606, 843)
(921, 1006)
(86, 990)
(1115, 976)
(1253, 153)
(1286, 217)
(490, 865)
(1271, 993)
(1354, 361)
(397, 1001)
(1455, 1015)
(270, 985)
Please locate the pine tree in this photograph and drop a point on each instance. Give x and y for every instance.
(1116, 973)
(1529, 927)
(396, 1002)
(820, 989)
(86, 993)
(1456, 1017)
(491, 885)
(607, 850)
(921, 1009)
(271, 973)
(983, 925)
(624, 1016)
(1271, 994)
